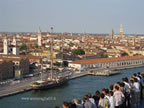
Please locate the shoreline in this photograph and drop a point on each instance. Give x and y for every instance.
(26, 88)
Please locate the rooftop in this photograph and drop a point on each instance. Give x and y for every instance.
(101, 60)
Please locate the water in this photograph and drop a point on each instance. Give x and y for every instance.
(74, 89)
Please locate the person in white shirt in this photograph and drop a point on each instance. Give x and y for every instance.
(106, 95)
(119, 97)
(87, 103)
(127, 86)
(103, 103)
(136, 76)
(136, 86)
(112, 100)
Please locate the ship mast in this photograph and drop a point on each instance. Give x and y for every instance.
(62, 50)
(51, 51)
(41, 64)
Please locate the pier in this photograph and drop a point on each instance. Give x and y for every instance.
(79, 74)
(104, 73)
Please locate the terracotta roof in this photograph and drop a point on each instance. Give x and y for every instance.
(1, 62)
(10, 59)
(88, 54)
(101, 60)
(5, 61)
(21, 56)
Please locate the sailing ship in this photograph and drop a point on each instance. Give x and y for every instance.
(52, 81)
(47, 84)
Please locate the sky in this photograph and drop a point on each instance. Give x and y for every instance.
(74, 16)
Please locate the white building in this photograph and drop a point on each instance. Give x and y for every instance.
(104, 63)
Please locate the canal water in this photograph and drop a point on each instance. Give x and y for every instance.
(74, 89)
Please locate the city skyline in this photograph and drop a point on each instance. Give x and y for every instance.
(72, 16)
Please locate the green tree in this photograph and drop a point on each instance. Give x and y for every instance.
(104, 56)
(23, 47)
(137, 55)
(36, 46)
(78, 52)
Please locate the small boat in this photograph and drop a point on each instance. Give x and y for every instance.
(104, 72)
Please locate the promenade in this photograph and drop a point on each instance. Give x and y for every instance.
(19, 86)
(24, 85)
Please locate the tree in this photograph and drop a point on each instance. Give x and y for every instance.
(104, 56)
(23, 47)
(36, 46)
(78, 52)
(137, 54)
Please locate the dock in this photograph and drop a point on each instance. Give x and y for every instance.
(104, 73)
(78, 75)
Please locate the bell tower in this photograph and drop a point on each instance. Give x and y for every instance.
(5, 45)
(39, 38)
(121, 31)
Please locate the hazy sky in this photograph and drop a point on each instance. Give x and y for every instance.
(93, 16)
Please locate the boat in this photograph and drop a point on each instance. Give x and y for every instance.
(104, 72)
(52, 81)
(48, 84)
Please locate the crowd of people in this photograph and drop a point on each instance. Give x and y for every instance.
(124, 94)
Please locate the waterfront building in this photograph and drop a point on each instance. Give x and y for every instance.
(6, 70)
(31, 58)
(105, 63)
(34, 59)
(21, 64)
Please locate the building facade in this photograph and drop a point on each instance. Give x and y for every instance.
(20, 64)
(15, 49)
(105, 63)
(6, 70)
